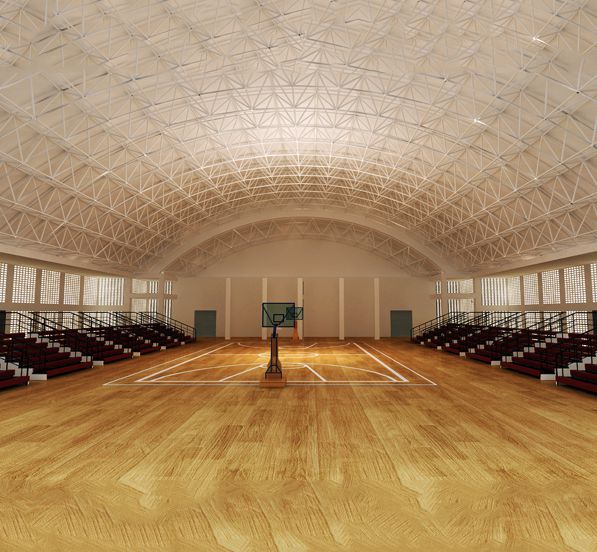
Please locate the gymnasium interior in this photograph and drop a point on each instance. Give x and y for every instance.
(298, 275)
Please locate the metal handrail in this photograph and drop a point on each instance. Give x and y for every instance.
(435, 323)
(18, 356)
(577, 351)
(181, 327)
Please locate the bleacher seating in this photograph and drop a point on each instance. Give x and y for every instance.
(9, 379)
(42, 357)
(47, 348)
(581, 370)
(541, 349)
(11, 375)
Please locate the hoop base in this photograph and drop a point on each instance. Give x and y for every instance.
(272, 381)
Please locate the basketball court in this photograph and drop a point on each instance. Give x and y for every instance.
(309, 363)
(294, 276)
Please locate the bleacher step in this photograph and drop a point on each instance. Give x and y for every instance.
(579, 384)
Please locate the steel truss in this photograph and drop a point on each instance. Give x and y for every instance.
(124, 126)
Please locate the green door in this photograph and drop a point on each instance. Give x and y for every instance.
(205, 323)
(401, 322)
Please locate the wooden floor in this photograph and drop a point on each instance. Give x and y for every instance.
(484, 460)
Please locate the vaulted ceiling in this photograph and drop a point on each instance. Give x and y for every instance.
(466, 127)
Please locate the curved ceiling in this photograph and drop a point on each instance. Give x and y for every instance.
(213, 249)
(127, 126)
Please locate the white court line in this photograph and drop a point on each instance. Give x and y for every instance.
(158, 365)
(402, 378)
(403, 365)
(184, 362)
(289, 366)
(315, 372)
(387, 376)
(243, 372)
(296, 347)
(202, 369)
(290, 355)
(247, 383)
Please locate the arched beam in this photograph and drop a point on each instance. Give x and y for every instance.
(205, 234)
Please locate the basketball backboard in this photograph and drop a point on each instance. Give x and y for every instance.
(277, 314)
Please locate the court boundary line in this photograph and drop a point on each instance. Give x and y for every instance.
(215, 383)
(158, 365)
(403, 365)
(293, 364)
(185, 362)
(383, 364)
(151, 380)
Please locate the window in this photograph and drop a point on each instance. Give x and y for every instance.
(438, 308)
(494, 291)
(17, 323)
(152, 305)
(3, 271)
(103, 291)
(23, 290)
(533, 318)
(72, 289)
(110, 292)
(594, 281)
(168, 307)
(153, 286)
(531, 289)
(577, 322)
(50, 287)
(168, 287)
(139, 286)
(460, 286)
(138, 305)
(90, 291)
(513, 286)
(461, 305)
(438, 287)
(574, 284)
(551, 287)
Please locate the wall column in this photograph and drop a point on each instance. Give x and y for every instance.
(589, 284)
(228, 308)
(444, 295)
(161, 294)
(341, 309)
(10, 278)
(38, 272)
(376, 309)
(300, 287)
(263, 300)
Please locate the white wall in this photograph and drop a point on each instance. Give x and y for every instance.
(245, 307)
(321, 302)
(405, 294)
(200, 294)
(321, 307)
(359, 318)
(302, 257)
(321, 265)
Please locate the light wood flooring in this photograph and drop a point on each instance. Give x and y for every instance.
(484, 460)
